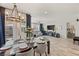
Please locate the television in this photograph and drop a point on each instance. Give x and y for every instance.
(51, 27)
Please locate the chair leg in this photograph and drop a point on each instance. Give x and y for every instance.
(40, 54)
(34, 53)
(45, 53)
(74, 42)
(78, 42)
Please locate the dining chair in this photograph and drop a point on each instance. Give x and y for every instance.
(28, 52)
(40, 49)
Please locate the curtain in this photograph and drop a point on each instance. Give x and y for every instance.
(2, 26)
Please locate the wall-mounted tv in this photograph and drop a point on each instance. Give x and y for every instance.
(51, 27)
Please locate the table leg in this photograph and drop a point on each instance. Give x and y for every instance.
(2, 53)
(74, 41)
(78, 42)
(48, 45)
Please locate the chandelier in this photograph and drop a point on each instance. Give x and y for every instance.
(15, 15)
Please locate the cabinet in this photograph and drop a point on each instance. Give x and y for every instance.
(70, 30)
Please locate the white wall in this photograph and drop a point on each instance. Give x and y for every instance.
(61, 26)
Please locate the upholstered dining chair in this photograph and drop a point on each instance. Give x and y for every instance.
(28, 52)
(40, 49)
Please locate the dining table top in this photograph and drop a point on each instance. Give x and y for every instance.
(21, 45)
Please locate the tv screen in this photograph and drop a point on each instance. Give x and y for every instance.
(50, 27)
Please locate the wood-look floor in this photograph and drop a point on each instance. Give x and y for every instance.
(63, 47)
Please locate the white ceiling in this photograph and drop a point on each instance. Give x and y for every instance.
(46, 9)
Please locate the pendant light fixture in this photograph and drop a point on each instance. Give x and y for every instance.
(15, 15)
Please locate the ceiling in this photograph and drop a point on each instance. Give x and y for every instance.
(46, 9)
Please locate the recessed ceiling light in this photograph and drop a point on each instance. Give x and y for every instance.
(45, 12)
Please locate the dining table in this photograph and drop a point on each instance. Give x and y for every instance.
(11, 48)
(17, 47)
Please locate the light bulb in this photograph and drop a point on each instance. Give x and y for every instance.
(22, 17)
(19, 14)
(7, 13)
(45, 12)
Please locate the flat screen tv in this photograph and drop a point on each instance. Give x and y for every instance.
(50, 27)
